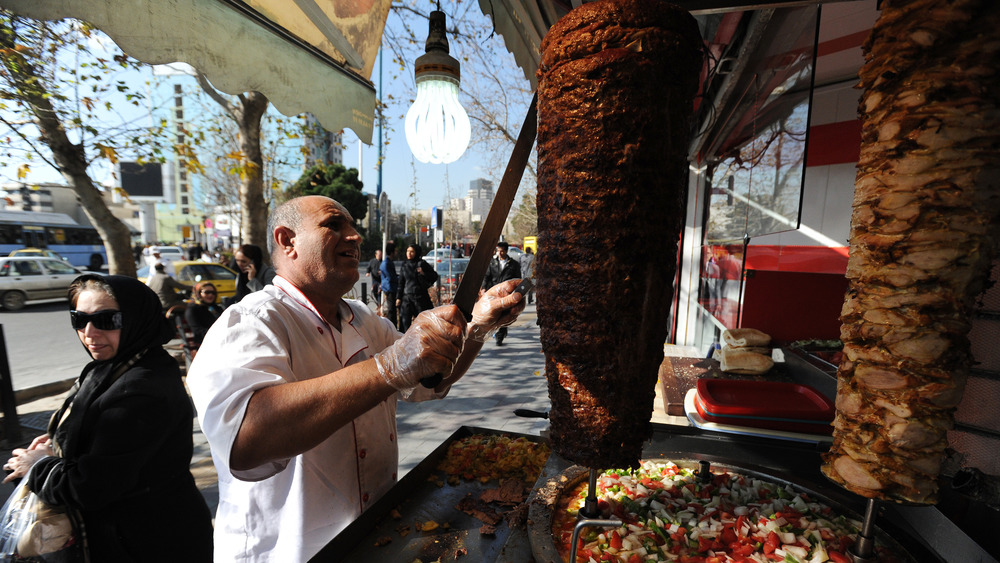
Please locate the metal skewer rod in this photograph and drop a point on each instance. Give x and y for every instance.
(863, 550)
(590, 509)
(586, 523)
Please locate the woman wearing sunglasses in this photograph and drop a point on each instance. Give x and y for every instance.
(118, 451)
(203, 311)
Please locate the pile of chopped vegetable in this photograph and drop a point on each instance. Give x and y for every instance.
(669, 515)
(485, 457)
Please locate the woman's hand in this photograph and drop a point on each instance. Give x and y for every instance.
(22, 459)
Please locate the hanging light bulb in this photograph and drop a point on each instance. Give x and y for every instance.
(437, 127)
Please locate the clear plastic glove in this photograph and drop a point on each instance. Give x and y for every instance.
(431, 345)
(498, 307)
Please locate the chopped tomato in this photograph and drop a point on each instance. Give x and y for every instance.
(728, 536)
(634, 558)
(692, 559)
(606, 556)
(704, 544)
(838, 557)
(772, 543)
(615, 540)
(742, 550)
(740, 523)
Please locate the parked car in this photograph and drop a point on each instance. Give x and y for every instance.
(450, 272)
(438, 254)
(190, 273)
(37, 252)
(168, 254)
(26, 278)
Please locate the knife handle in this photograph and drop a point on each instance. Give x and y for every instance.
(432, 381)
(524, 287)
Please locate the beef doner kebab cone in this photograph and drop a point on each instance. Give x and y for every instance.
(923, 234)
(615, 95)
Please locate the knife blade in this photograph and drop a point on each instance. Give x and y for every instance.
(468, 289)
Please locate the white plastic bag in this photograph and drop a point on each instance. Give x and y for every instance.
(31, 530)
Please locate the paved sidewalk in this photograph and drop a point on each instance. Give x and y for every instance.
(502, 379)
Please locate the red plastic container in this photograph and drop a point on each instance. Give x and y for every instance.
(775, 405)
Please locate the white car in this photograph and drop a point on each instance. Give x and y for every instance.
(26, 278)
(442, 253)
(168, 255)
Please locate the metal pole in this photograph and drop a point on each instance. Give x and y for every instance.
(12, 426)
(378, 186)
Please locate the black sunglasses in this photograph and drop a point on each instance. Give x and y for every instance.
(208, 292)
(102, 320)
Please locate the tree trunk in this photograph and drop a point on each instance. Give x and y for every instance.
(253, 230)
(247, 113)
(70, 158)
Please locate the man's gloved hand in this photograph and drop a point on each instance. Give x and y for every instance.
(496, 308)
(430, 346)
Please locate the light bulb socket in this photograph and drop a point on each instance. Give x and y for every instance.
(436, 63)
(437, 35)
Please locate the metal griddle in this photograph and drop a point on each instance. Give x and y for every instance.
(424, 494)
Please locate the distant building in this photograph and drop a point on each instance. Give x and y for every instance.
(321, 145)
(479, 199)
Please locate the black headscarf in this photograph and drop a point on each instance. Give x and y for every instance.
(144, 331)
(143, 322)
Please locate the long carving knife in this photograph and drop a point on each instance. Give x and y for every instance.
(479, 262)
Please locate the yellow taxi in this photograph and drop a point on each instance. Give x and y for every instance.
(192, 272)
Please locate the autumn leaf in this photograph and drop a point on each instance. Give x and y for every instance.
(107, 152)
(22, 171)
(88, 103)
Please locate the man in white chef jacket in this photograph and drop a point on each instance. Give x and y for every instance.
(296, 388)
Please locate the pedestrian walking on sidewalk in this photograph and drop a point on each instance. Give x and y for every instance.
(119, 449)
(527, 263)
(296, 388)
(373, 272)
(502, 268)
(416, 277)
(390, 284)
(254, 273)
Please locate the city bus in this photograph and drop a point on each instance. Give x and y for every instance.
(78, 244)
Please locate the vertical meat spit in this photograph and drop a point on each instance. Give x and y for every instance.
(589, 514)
(863, 550)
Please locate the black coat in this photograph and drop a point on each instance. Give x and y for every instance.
(200, 317)
(124, 438)
(414, 284)
(495, 274)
